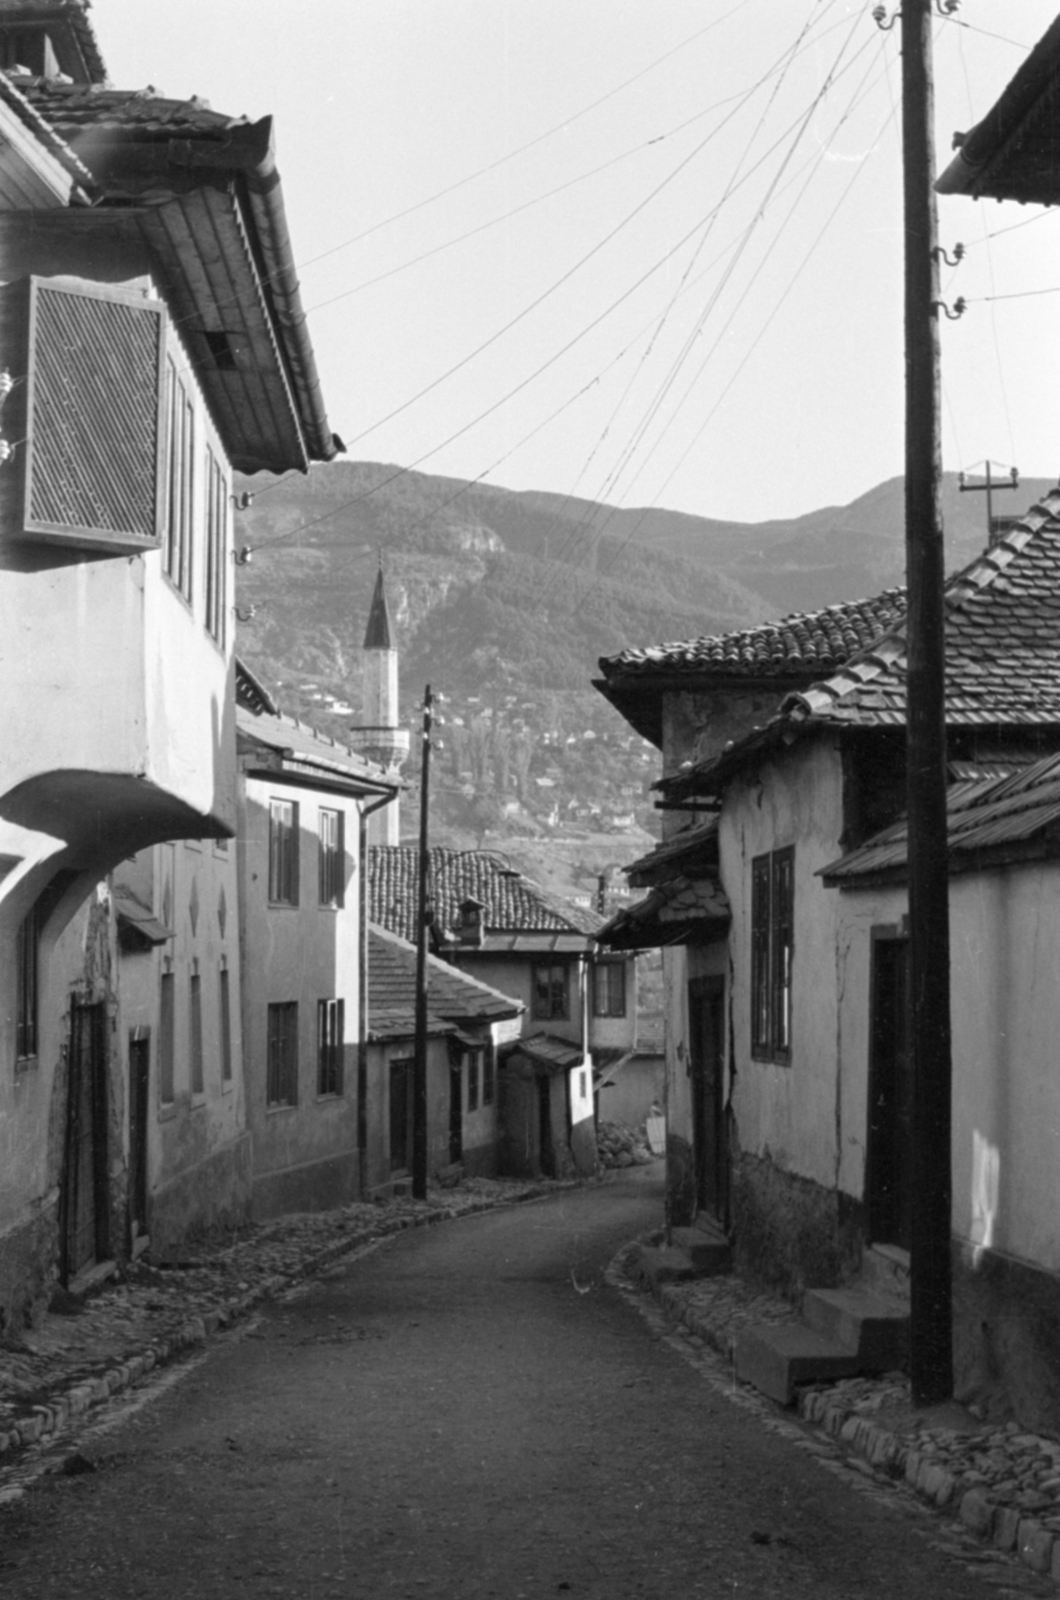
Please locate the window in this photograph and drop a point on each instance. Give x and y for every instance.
(180, 447)
(332, 859)
(27, 967)
(283, 852)
(281, 1088)
(216, 543)
(195, 1032)
(226, 1027)
(166, 1042)
(772, 927)
(87, 359)
(550, 990)
(474, 1067)
(331, 1031)
(609, 989)
(401, 1116)
(489, 1074)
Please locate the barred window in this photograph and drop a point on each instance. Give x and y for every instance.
(331, 1031)
(281, 1087)
(195, 1020)
(609, 989)
(772, 943)
(27, 964)
(283, 852)
(550, 996)
(216, 544)
(180, 450)
(166, 1037)
(332, 859)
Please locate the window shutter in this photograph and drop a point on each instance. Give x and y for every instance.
(88, 440)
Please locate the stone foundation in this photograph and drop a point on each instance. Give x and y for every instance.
(791, 1233)
(1006, 1338)
(29, 1269)
(680, 1180)
(211, 1197)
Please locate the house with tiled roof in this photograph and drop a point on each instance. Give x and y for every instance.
(154, 341)
(693, 699)
(304, 805)
(491, 920)
(794, 974)
(467, 1024)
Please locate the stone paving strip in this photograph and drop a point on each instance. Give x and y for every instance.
(84, 1352)
(1001, 1481)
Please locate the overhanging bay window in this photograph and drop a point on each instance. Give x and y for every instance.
(772, 941)
(86, 408)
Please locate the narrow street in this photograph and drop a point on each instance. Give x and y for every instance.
(468, 1410)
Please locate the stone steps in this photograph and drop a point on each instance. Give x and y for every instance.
(700, 1251)
(842, 1332)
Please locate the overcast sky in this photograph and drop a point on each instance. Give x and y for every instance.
(707, 314)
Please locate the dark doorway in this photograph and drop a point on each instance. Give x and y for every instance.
(139, 1081)
(84, 1188)
(706, 1016)
(401, 1116)
(888, 1180)
(545, 1150)
(456, 1111)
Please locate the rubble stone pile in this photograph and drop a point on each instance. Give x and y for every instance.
(619, 1145)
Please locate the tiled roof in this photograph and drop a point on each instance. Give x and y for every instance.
(295, 743)
(548, 1051)
(805, 642)
(512, 903)
(1002, 642)
(72, 108)
(1018, 815)
(692, 847)
(71, 32)
(680, 911)
(451, 995)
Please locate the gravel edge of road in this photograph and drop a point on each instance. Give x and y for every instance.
(881, 1455)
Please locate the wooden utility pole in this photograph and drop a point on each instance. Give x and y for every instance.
(931, 1355)
(419, 1059)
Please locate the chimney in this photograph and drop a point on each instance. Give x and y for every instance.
(471, 929)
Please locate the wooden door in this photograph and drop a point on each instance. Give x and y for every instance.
(456, 1111)
(84, 1187)
(401, 1116)
(888, 1179)
(139, 1080)
(706, 1015)
(546, 1153)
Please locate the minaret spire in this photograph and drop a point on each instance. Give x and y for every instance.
(379, 735)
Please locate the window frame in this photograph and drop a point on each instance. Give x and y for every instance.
(178, 529)
(489, 1074)
(27, 991)
(331, 859)
(772, 953)
(553, 1006)
(607, 977)
(167, 1038)
(224, 1005)
(284, 841)
(474, 1077)
(196, 1053)
(216, 549)
(331, 1041)
(281, 1055)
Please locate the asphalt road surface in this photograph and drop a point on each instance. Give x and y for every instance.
(468, 1411)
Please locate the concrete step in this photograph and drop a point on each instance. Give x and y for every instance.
(655, 1264)
(874, 1329)
(708, 1249)
(885, 1271)
(777, 1357)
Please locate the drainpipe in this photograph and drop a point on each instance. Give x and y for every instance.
(364, 812)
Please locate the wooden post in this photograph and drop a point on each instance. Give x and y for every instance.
(419, 1061)
(931, 1356)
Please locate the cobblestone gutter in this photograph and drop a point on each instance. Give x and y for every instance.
(1002, 1482)
(84, 1353)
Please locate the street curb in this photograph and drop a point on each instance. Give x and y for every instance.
(888, 1458)
(51, 1417)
